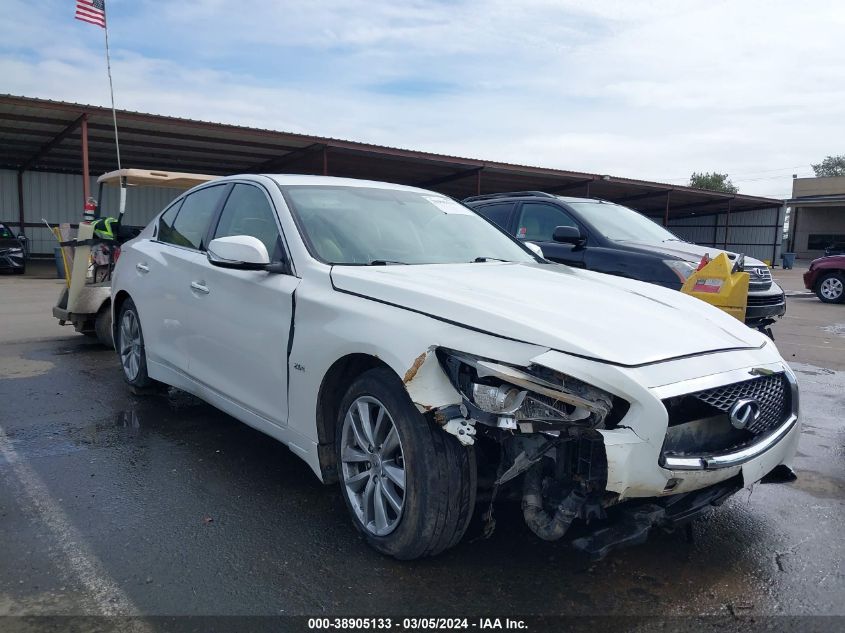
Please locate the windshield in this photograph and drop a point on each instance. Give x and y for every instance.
(364, 225)
(622, 224)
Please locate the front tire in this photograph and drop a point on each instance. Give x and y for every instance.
(409, 486)
(831, 288)
(130, 347)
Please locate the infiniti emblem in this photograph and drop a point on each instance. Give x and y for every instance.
(744, 412)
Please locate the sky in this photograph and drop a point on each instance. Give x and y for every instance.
(651, 89)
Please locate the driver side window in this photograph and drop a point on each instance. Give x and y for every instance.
(538, 220)
(248, 212)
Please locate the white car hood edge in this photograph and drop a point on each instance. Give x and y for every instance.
(598, 317)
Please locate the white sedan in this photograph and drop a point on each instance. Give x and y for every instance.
(402, 345)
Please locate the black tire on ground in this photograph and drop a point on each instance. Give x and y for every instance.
(19, 271)
(102, 326)
(134, 373)
(829, 285)
(440, 474)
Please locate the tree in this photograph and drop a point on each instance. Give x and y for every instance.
(830, 166)
(713, 181)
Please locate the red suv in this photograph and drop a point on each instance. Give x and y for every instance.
(826, 277)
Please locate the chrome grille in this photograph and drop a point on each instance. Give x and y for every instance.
(769, 391)
(760, 278)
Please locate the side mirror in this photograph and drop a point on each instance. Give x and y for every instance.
(534, 248)
(569, 235)
(242, 252)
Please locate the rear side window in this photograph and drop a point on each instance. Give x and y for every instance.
(496, 213)
(165, 222)
(248, 212)
(192, 219)
(538, 221)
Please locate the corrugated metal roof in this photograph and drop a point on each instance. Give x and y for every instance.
(152, 141)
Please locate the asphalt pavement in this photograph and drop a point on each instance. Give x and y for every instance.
(115, 504)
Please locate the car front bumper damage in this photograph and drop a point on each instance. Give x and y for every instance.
(614, 479)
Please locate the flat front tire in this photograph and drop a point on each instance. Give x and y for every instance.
(130, 347)
(831, 288)
(409, 486)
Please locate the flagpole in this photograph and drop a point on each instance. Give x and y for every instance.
(111, 87)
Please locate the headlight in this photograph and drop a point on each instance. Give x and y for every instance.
(15, 251)
(681, 268)
(502, 395)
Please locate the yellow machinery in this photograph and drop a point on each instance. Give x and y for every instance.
(719, 283)
(86, 301)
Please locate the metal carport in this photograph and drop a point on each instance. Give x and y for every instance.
(43, 136)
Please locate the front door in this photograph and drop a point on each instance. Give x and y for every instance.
(536, 222)
(242, 318)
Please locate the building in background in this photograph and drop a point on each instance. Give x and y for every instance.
(817, 220)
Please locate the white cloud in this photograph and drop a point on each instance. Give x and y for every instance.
(650, 90)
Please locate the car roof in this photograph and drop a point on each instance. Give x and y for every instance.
(526, 195)
(299, 179)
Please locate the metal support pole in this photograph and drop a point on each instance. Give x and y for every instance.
(478, 183)
(793, 229)
(587, 195)
(727, 224)
(325, 160)
(666, 211)
(86, 181)
(777, 237)
(715, 229)
(20, 203)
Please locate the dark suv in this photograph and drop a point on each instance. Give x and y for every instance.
(609, 238)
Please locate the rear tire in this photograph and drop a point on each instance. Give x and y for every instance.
(431, 510)
(831, 288)
(102, 326)
(130, 347)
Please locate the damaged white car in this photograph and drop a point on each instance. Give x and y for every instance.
(403, 346)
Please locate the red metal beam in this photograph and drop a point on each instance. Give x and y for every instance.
(20, 202)
(86, 181)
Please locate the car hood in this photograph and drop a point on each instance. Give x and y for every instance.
(689, 252)
(603, 317)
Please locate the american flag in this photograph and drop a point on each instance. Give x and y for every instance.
(91, 11)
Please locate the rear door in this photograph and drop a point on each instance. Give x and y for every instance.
(499, 213)
(242, 318)
(165, 267)
(536, 222)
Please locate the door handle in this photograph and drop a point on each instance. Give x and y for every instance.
(199, 287)
(142, 268)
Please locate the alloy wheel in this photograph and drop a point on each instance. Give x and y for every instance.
(373, 465)
(130, 344)
(831, 288)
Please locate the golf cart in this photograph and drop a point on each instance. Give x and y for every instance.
(89, 258)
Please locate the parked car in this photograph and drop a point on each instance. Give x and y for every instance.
(826, 277)
(429, 362)
(12, 251)
(835, 249)
(609, 238)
